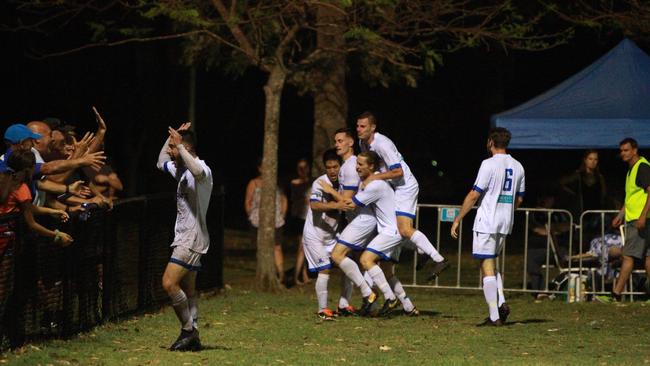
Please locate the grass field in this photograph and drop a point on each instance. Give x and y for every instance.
(240, 326)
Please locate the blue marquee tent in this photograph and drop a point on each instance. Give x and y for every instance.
(596, 108)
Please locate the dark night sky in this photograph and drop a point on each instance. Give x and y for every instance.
(141, 89)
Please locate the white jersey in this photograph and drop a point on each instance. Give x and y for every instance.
(349, 180)
(500, 181)
(192, 201)
(320, 226)
(379, 196)
(390, 159)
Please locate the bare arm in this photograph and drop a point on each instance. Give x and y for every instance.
(100, 134)
(95, 160)
(318, 206)
(641, 222)
(518, 202)
(284, 204)
(468, 203)
(248, 200)
(26, 208)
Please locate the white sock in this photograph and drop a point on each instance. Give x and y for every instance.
(179, 302)
(502, 296)
(346, 292)
(368, 279)
(380, 280)
(490, 293)
(321, 290)
(193, 304)
(398, 289)
(351, 270)
(424, 245)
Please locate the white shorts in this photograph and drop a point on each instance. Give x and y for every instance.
(358, 233)
(318, 253)
(406, 200)
(186, 258)
(387, 247)
(487, 245)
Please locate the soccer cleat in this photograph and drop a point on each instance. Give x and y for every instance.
(347, 311)
(605, 299)
(490, 323)
(326, 314)
(422, 261)
(188, 340)
(438, 267)
(368, 304)
(413, 313)
(504, 311)
(389, 305)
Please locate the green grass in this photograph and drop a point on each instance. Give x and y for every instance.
(243, 327)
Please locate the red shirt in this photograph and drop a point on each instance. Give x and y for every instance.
(15, 198)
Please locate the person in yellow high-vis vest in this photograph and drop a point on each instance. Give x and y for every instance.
(635, 211)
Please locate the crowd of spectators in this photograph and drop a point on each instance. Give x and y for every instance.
(50, 169)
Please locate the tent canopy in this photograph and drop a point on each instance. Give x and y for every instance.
(596, 108)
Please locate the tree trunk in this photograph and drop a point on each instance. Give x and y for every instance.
(266, 272)
(330, 96)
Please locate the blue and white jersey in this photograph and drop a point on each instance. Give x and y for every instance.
(349, 180)
(192, 201)
(500, 181)
(380, 197)
(390, 159)
(320, 226)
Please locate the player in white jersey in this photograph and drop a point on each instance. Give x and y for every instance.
(362, 222)
(500, 186)
(319, 233)
(394, 169)
(191, 238)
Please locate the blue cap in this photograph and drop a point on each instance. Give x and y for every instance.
(18, 133)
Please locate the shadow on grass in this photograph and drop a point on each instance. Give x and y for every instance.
(207, 347)
(527, 321)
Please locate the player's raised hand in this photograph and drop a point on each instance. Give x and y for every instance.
(95, 160)
(454, 229)
(174, 137)
(184, 127)
(78, 189)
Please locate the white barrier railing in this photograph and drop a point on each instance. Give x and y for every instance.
(552, 257)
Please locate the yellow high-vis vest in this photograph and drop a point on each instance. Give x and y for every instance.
(635, 196)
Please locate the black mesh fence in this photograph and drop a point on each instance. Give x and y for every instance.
(113, 268)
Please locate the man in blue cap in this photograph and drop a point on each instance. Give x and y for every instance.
(19, 137)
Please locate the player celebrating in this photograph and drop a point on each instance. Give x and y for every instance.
(319, 233)
(191, 238)
(394, 169)
(349, 182)
(500, 185)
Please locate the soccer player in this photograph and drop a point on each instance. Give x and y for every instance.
(394, 170)
(500, 186)
(319, 233)
(349, 182)
(191, 238)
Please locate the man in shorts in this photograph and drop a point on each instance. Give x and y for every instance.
(191, 238)
(500, 186)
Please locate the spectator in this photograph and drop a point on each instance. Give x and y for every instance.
(252, 207)
(605, 250)
(537, 242)
(587, 190)
(299, 192)
(16, 197)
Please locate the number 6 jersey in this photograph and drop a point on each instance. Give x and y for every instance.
(500, 180)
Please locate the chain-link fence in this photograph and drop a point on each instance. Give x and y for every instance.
(113, 268)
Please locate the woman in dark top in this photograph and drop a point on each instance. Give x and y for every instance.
(587, 188)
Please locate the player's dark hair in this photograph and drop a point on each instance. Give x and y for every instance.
(629, 140)
(370, 116)
(346, 130)
(330, 154)
(500, 137)
(189, 139)
(371, 158)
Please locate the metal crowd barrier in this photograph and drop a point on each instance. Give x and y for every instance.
(113, 268)
(552, 266)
